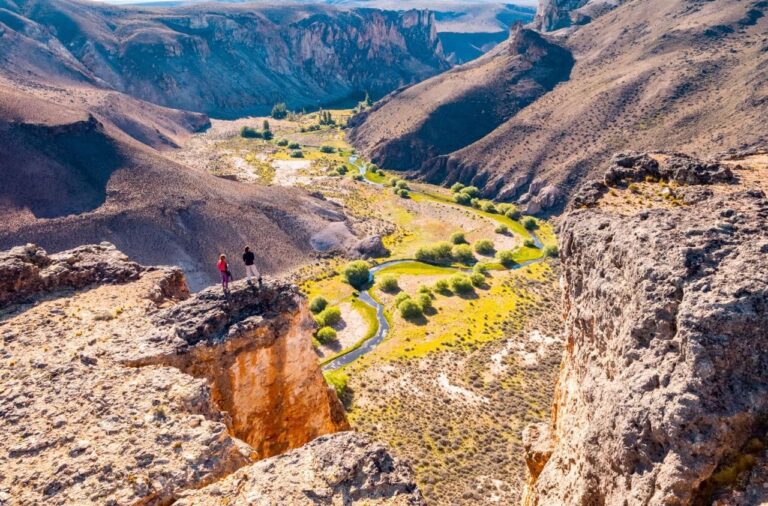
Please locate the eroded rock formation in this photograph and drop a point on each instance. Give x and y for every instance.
(128, 391)
(665, 372)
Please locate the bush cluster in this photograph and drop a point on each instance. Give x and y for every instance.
(506, 258)
(388, 284)
(440, 253)
(318, 304)
(484, 247)
(252, 133)
(329, 316)
(327, 149)
(325, 335)
(460, 283)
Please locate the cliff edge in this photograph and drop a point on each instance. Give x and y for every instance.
(661, 397)
(118, 387)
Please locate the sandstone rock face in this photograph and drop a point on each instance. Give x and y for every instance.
(253, 346)
(344, 468)
(133, 392)
(28, 270)
(665, 372)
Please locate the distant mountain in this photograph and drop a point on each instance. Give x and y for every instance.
(227, 60)
(90, 94)
(656, 74)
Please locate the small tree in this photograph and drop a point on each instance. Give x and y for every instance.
(267, 135)
(463, 253)
(328, 316)
(409, 309)
(297, 154)
(502, 229)
(317, 304)
(368, 101)
(279, 111)
(530, 224)
(424, 300)
(462, 198)
(529, 243)
(484, 247)
(507, 258)
(282, 142)
(457, 187)
(326, 335)
(477, 279)
(441, 286)
(460, 284)
(472, 191)
(388, 284)
(403, 185)
(265, 126)
(513, 214)
(458, 238)
(327, 149)
(294, 145)
(551, 251)
(357, 273)
(249, 133)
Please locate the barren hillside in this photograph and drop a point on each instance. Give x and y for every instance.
(683, 74)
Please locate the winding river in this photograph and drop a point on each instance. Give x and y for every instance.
(366, 297)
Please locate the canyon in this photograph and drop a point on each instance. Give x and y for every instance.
(678, 75)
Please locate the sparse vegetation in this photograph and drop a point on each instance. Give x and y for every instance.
(477, 279)
(506, 258)
(440, 253)
(327, 149)
(463, 253)
(551, 251)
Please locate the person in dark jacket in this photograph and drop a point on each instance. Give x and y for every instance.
(249, 260)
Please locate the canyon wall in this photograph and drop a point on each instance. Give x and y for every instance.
(117, 387)
(663, 391)
(222, 59)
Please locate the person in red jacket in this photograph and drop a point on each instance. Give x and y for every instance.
(224, 271)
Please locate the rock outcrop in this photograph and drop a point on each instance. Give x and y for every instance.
(132, 392)
(665, 371)
(556, 14)
(28, 271)
(344, 468)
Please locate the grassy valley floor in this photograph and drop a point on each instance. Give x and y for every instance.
(452, 388)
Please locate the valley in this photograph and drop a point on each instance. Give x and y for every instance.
(489, 350)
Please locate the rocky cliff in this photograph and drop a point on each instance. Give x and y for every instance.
(556, 14)
(225, 60)
(662, 394)
(122, 389)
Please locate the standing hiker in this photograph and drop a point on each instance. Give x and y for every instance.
(224, 271)
(250, 268)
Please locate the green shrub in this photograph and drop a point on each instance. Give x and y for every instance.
(472, 191)
(280, 111)
(460, 283)
(402, 184)
(462, 198)
(357, 177)
(297, 154)
(373, 168)
(388, 284)
(503, 208)
(318, 304)
(294, 145)
(325, 335)
(393, 181)
(530, 224)
(250, 133)
(282, 142)
(441, 286)
(424, 300)
(403, 193)
(506, 258)
(551, 251)
(341, 170)
(357, 273)
(502, 229)
(458, 238)
(327, 149)
(513, 213)
(457, 187)
(338, 379)
(409, 309)
(529, 243)
(329, 316)
(477, 279)
(438, 253)
(463, 253)
(484, 247)
(488, 206)
(267, 135)
(475, 203)
(480, 268)
(401, 297)
(425, 289)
